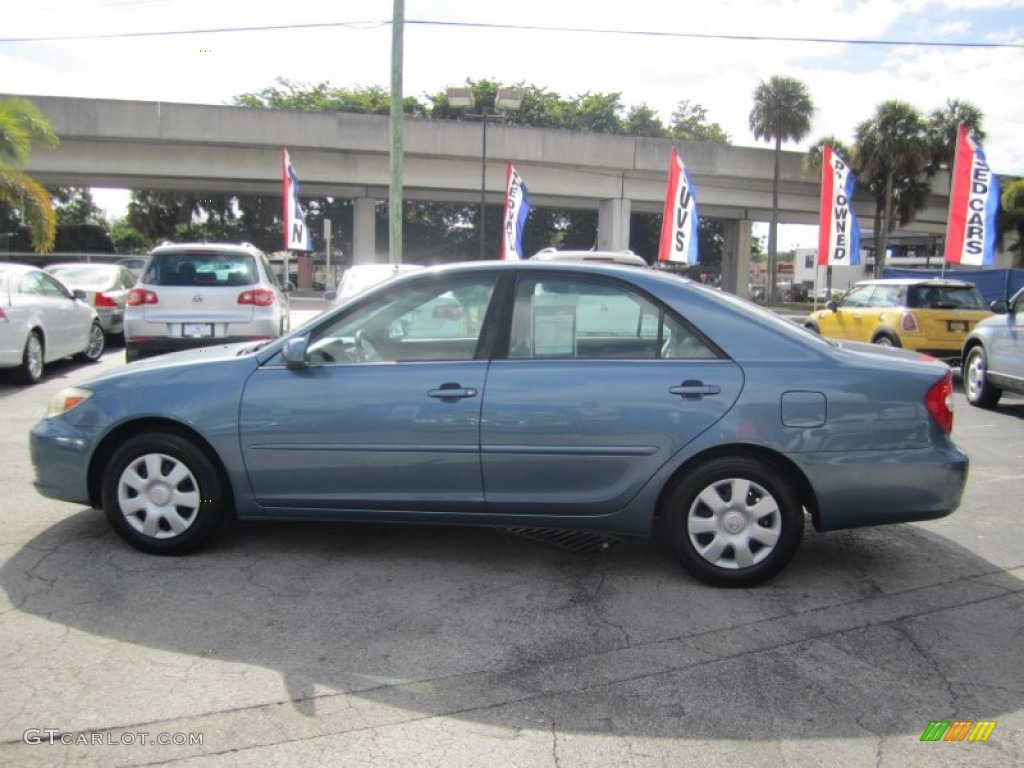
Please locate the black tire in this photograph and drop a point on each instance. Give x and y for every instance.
(162, 495)
(886, 340)
(743, 542)
(980, 392)
(97, 343)
(33, 358)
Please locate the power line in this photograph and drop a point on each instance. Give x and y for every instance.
(519, 28)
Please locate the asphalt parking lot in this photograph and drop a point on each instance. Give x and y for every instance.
(373, 645)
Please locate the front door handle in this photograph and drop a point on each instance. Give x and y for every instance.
(451, 392)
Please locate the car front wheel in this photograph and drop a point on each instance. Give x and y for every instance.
(32, 360)
(163, 495)
(978, 389)
(734, 522)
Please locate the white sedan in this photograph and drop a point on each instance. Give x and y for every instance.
(41, 321)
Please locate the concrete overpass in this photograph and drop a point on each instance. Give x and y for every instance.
(237, 150)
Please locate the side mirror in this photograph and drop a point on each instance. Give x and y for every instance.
(288, 286)
(330, 295)
(831, 305)
(999, 306)
(79, 294)
(294, 350)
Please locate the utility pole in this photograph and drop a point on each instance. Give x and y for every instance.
(395, 189)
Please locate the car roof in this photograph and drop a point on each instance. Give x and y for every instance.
(613, 257)
(937, 281)
(241, 248)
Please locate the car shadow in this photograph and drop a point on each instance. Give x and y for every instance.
(868, 632)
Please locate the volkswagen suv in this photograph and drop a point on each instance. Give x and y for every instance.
(200, 294)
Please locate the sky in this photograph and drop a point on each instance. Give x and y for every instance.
(650, 52)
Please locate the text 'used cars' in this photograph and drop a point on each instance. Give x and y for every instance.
(547, 395)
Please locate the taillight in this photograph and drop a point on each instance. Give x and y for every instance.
(102, 300)
(908, 323)
(939, 402)
(139, 296)
(259, 297)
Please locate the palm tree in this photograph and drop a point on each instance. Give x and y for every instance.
(892, 152)
(943, 128)
(782, 112)
(21, 124)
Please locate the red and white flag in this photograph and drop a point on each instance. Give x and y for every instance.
(679, 220)
(973, 205)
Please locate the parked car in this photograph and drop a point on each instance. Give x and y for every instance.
(105, 286)
(681, 412)
(993, 354)
(361, 277)
(134, 264)
(627, 258)
(929, 316)
(196, 294)
(42, 320)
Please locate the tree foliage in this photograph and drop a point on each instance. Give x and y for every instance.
(1012, 201)
(22, 127)
(74, 205)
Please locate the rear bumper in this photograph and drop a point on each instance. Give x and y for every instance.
(138, 349)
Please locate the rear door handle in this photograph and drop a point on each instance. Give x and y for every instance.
(695, 389)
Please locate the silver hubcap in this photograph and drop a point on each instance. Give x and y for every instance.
(734, 523)
(95, 342)
(883, 341)
(34, 357)
(975, 376)
(158, 496)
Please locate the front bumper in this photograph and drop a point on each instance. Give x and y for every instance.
(60, 456)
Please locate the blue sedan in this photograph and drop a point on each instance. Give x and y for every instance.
(520, 394)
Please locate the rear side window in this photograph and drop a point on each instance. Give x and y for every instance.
(200, 269)
(945, 297)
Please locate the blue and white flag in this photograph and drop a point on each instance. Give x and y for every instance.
(517, 208)
(297, 236)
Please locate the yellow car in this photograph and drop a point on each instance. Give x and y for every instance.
(931, 316)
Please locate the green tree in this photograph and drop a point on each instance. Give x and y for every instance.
(1012, 201)
(690, 123)
(74, 205)
(127, 239)
(782, 112)
(21, 126)
(944, 127)
(892, 152)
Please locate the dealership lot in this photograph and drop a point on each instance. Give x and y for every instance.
(373, 645)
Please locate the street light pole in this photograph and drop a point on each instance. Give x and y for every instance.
(509, 99)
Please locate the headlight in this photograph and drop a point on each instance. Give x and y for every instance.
(65, 400)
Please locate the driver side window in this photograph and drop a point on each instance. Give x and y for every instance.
(433, 321)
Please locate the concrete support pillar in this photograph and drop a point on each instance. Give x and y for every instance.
(736, 256)
(613, 225)
(364, 230)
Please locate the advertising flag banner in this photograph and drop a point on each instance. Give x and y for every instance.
(679, 222)
(517, 208)
(297, 236)
(973, 205)
(838, 228)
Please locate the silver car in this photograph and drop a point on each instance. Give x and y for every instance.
(993, 354)
(106, 288)
(42, 320)
(201, 294)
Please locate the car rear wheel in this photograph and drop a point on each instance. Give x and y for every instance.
(32, 360)
(978, 389)
(163, 495)
(97, 343)
(886, 340)
(734, 522)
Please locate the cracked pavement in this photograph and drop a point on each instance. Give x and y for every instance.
(376, 645)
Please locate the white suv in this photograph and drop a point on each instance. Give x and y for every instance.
(198, 294)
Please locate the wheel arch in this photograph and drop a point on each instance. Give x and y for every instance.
(804, 490)
(888, 332)
(112, 441)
